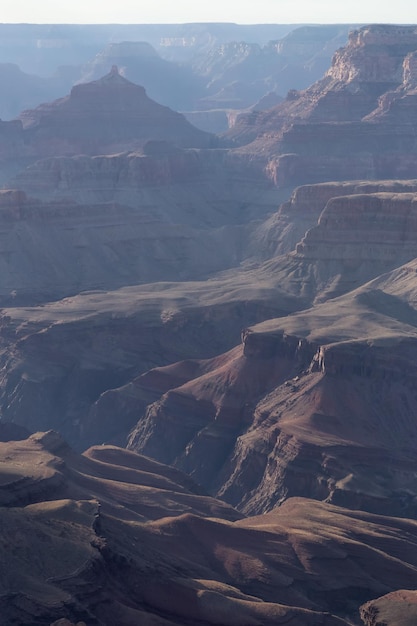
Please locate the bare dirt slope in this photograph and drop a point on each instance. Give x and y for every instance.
(111, 537)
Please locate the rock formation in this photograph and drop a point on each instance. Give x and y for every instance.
(355, 123)
(132, 231)
(308, 422)
(306, 405)
(58, 358)
(398, 607)
(104, 116)
(113, 537)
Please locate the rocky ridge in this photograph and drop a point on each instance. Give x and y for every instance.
(139, 541)
(305, 405)
(174, 321)
(104, 116)
(343, 120)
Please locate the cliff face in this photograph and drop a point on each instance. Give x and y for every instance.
(320, 403)
(356, 123)
(59, 358)
(195, 187)
(289, 225)
(360, 233)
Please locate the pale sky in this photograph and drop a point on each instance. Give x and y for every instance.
(180, 11)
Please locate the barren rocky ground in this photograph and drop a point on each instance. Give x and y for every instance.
(240, 308)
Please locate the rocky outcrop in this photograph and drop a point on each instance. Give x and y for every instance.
(286, 228)
(378, 224)
(320, 403)
(356, 238)
(398, 607)
(357, 122)
(59, 358)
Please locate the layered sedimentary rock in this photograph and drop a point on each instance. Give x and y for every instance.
(110, 221)
(238, 74)
(53, 249)
(108, 115)
(356, 238)
(171, 321)
(357, 122)
(58, 358)
(194, 187)
(319, 403)
(285, 229)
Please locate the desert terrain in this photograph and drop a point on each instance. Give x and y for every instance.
(208, 325)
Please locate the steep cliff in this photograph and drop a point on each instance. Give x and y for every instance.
(330, 131)
(57, 248)
(58, 358)
(319, 403)
(281, 233)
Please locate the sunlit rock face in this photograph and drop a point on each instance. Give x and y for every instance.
(318, 403)
(355, 123)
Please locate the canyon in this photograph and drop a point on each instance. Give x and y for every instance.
(207, 340)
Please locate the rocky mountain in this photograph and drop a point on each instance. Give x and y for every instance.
(181, 66)
(108, 115)
(239, 73)
(341, 127)
(305, 405)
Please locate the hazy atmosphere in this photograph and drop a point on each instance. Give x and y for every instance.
(208, 313)
(165, 11)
